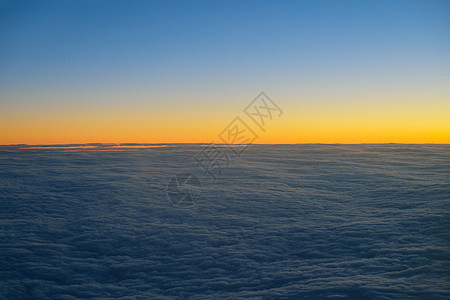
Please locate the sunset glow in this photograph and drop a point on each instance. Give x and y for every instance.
(374, 72)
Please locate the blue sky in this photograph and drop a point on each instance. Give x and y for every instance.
(112, 38)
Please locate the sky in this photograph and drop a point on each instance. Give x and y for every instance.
(181, 71)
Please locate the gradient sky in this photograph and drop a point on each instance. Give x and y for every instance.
(180, 71)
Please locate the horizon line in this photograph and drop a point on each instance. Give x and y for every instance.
(208, 143)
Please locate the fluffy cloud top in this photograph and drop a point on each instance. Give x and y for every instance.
(307, 221)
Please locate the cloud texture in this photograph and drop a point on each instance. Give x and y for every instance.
(284, 221)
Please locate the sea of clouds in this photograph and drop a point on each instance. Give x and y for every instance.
(283, 221)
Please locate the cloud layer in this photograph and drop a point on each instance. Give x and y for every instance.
(284, 221)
